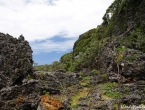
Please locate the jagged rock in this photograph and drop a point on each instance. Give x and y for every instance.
(66, 104)
(131, 66)
(133, 98)
(83, 103)
(67, 79)
(15, 59)
(20, 88)
(106, 105)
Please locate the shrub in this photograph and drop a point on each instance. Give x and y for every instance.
(45, 92)
(96, 72)
(113, 94)
(132, 58)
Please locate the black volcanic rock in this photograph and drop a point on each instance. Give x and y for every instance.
(15, 60)
(15, 64)
(20, 86)
(131, 65)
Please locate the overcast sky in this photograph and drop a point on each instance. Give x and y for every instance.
(50, 26)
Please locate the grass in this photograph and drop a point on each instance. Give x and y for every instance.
(45, 92)
(85, 82)
(104, 76)
(113, 94)
(108, 91)
(109, 85)
(96, 72)
(75, 99)
(132, 58)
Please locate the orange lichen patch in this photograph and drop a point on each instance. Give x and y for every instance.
(50, 103)
(49, 107)
(19, 100)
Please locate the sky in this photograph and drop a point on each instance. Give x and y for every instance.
(50, 26)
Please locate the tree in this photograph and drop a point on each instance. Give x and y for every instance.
(120, 54)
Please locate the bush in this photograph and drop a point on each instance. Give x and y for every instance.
(113, 94)
(45, 92)
(110, 90)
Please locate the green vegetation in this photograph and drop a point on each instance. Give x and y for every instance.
(113, 94)
(132, 58)
(82, 93)
(45, 92)
(85, 82)
(135, 40)
(88, 47)
(109, 86)
(66, 59)
(120, 53)
(29, 76)
(56, 65)
(120, 49)
(74, 106)
(105, 76)
(110, 90)
(96, 72)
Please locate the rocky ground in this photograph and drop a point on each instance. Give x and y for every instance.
(117, 77)
(22, 88)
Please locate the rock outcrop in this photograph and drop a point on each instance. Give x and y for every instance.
(131, 62)
(20, 87)
(16, 64)
(15, 59)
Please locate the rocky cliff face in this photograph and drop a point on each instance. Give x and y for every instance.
(131, 62)
(126, 17)
(15, 59)
(124, 29)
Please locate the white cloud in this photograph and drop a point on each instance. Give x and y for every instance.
(44, 19)
(52, 46)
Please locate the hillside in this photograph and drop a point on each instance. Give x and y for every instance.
(126, 24)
